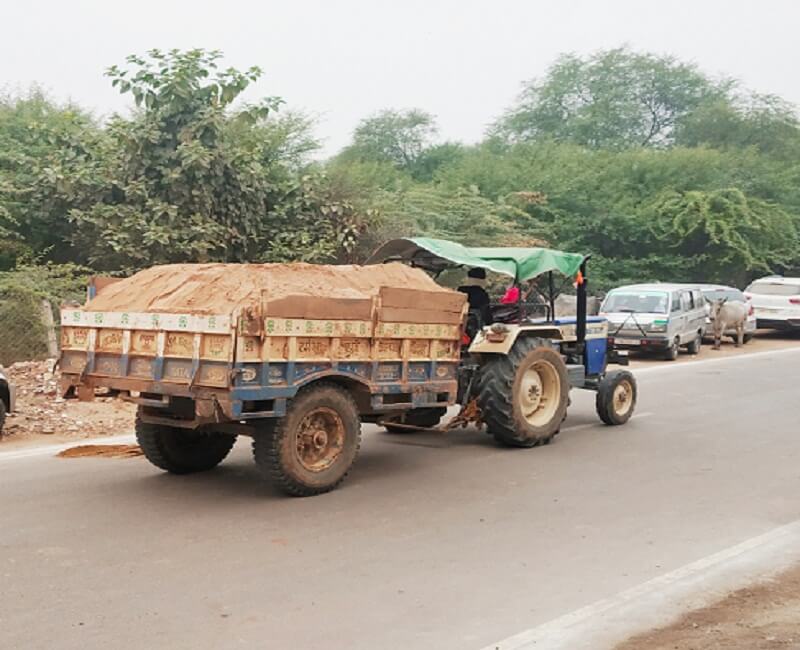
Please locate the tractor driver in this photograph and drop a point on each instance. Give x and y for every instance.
(477, 297)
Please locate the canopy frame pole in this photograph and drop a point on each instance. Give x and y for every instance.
(522, 312)
(580, 317)
(551, 298)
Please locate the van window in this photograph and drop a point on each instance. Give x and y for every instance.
(676, 303)
(686, 300)
(639, 302)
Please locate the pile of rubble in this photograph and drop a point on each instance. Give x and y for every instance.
(40, 410)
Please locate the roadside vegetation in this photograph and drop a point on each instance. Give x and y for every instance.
(656, 168)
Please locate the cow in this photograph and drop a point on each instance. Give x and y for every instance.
(728, 314)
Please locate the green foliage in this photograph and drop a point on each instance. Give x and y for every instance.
(189, 178)
(47, 155)
(401, 138)
(728, 234)
(54, 282)
(658, 171)
(24, 334)
(612, 99)
(22, 290)
(764, 122)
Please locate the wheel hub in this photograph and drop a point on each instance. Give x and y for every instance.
(320, 439)
(539, 393)
(623, 398)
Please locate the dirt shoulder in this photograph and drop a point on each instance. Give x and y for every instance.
(41, 416)
(763, 341)
(765, 616)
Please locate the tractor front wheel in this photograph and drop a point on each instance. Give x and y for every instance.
(523, 395)
(616, 397)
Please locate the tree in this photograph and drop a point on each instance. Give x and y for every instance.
(397, 137)
(191, 178)
(613, 99)
(764, 122)
(730, 235)
(47, 153)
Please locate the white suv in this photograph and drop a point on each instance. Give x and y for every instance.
(776, 301)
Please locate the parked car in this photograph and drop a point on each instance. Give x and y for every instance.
(776, 301)
(6, 398)
(656, 317)
(713, 292)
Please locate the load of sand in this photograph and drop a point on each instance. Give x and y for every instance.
(222, 288)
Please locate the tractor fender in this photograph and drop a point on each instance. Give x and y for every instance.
(482, 344)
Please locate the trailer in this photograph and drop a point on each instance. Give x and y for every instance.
(298, 356)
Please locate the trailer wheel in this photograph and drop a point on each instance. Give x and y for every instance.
(616, 397)
(2, 415)
(425, 418)
(313, 447)
(523, 396)
(182, 451)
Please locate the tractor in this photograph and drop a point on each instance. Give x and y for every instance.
(517, 369)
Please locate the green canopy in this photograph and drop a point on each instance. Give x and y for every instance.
(437, 254)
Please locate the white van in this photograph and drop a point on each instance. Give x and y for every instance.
(656, 318)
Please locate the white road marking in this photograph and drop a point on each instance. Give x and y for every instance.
(662, 599)
(697, 362)
(52, 450)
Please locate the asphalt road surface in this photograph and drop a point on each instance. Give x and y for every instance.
(435, 541)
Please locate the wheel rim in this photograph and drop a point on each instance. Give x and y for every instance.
(622, 399)
(539, 393)
(320, 439)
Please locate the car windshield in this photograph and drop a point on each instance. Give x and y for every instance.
(719, 294)
(639, 302)
(774, 289)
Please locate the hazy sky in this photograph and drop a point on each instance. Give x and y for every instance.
(462, 60)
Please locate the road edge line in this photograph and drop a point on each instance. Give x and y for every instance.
(664, 598)
(697, 362)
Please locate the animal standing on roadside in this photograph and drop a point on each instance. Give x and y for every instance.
(726, 315)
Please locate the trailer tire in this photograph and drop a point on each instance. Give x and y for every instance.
(425, 418)
(523, 396)
(313, 447)
(2, 415)
(616, 397)
(182, 451)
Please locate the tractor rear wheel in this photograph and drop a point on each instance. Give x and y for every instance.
(423, 418)
(182, 451)
(523, 396)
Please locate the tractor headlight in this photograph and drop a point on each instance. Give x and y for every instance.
(658, 326)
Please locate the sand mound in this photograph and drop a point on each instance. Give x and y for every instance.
(220, 288)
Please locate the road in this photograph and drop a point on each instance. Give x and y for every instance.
(436, 541)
